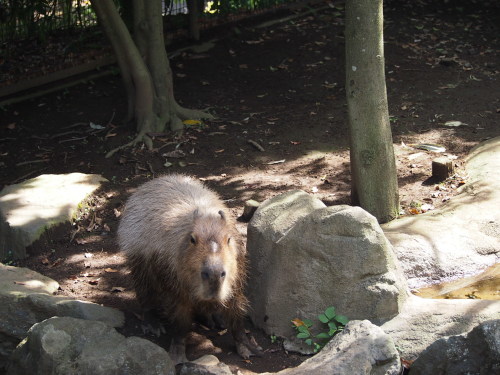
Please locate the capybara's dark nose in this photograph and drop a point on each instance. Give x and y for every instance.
(213, 273)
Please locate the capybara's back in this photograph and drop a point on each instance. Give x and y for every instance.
(179, 242)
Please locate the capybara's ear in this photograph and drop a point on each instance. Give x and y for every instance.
(222, 215)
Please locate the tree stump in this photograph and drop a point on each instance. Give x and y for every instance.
(250, 207)
(442, 168)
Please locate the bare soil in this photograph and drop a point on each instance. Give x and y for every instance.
(282, 87)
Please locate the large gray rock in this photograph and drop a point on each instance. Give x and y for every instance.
(424, 321)
(29, 208)
(473, 353)
(305, 257)
(26, 298)
(462, 238)
(362, 348)
(61, 346)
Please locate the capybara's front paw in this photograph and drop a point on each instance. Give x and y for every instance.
(246, 346)
(152, 324)
(177, 352)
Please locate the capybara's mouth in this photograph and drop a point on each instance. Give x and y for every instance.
(214, 296)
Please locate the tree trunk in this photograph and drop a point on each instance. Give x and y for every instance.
(194, 19)
(145, 69)
(373, 168)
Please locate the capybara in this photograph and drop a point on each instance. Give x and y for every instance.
(181, 249)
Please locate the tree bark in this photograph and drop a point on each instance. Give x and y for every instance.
(373, 167)
(194, 18)
(145, 69)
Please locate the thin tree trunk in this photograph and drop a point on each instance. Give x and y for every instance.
(194, 18)
(373, 167)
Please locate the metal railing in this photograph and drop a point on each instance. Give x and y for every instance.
(23, 19)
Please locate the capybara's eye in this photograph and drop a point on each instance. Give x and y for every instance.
(193, 240)
(228, 240)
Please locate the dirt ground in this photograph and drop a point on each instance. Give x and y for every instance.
(282, 87)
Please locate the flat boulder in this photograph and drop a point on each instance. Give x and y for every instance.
(423, 321)
(29, 208)
(26, 298)
(463, 237)
(62, 346)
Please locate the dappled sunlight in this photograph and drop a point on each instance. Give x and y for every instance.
(306, 173)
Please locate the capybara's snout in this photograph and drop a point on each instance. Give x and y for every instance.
(213, 275)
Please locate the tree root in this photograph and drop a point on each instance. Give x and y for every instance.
(176, 125)
(139, 138)
(192, 114)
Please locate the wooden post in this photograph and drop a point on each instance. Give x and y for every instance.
(442, 168)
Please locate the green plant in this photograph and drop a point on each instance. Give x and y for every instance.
(335, 324)
(9, 259)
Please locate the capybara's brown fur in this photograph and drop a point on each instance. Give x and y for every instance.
(180, 245)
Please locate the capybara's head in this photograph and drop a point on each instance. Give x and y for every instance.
(209, 264)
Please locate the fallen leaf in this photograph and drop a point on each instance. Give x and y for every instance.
(110, 270)
(96, 126)
(174, 154)
(254, 41)
(429, 147)
(426, 207)
(57, 262)
(406, 363)
(297, 322)
(88, 255)
(276, 162)
(192, 122)
(454, 123)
